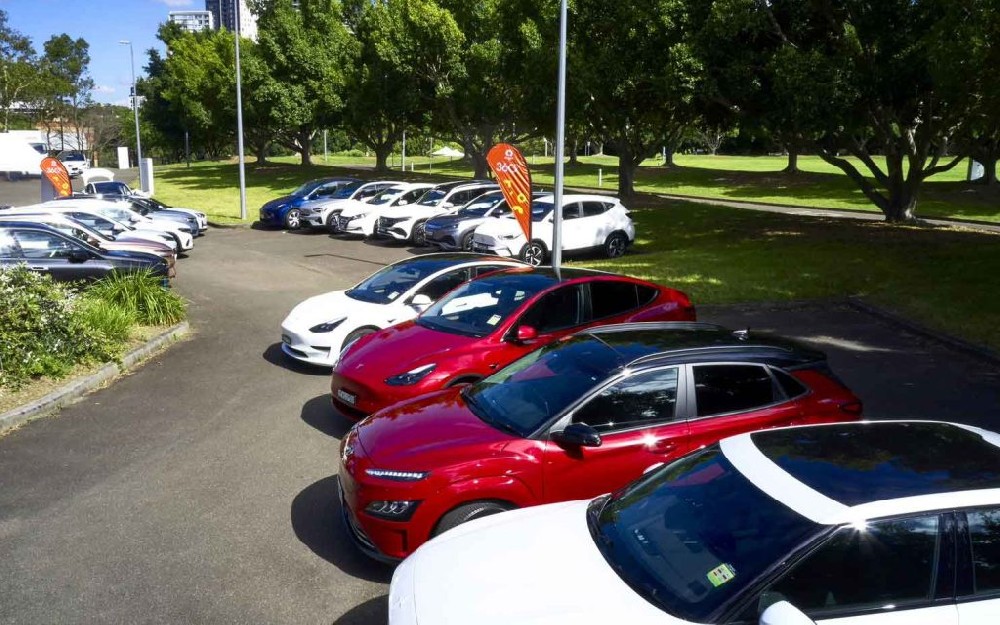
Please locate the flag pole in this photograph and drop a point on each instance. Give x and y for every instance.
(560, 142)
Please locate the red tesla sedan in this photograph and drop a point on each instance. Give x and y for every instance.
(577, 418)
(487, 323)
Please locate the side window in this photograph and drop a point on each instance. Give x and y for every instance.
(642, 399)
(610, 298)
(8, 245)
(721, 389)
(882, 566)
(364, 194)
(36, 244)
(984, 532)
(791, 386)
(440, 285)
(571, 210)
(410, 196)
(592, 209)
(460, 197)
(557, 310)
(482, 270)
(325, 191)
(501, 210)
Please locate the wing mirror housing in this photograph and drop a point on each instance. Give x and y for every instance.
(784, 613)
(578, 435)
(421, 301)
(525, 334)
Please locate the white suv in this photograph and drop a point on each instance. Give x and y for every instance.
(589, 222)
(407, 223)
(360, 217)
(324, 212)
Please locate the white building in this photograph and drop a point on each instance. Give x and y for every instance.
(193, 21)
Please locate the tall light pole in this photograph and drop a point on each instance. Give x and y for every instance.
(239, 117)
(559, 145)
(135, 111)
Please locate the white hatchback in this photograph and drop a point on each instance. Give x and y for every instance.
(359, 217)
(324, 212)
(318, 329)
(589, 222)
(865, 523)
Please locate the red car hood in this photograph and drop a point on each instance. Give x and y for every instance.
(397, 349)
(436, 428)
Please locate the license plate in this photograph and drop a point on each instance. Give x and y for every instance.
(348, 398)
(287, 340)
(479, 247)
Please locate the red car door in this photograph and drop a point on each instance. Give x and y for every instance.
(639, 425)
(736, 398)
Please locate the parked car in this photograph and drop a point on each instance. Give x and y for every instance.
(323, 213)
(407, 223)
(318, 329)
(284, 211)
(485, 325)
(454, 230)
(111, 190)
(855, 523)
(148, 205)
(359, 218)
(81, 232)
(103, 225)
(572, 420)
(590, 222)
(46, 250)
(75, 162)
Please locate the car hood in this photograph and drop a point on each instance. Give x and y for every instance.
(435, 426)
(501, 226)
(417, 210)
(446, 220)
(531, 566)
(284, 199)
(351, 208)
(327, 307)
(399, 348)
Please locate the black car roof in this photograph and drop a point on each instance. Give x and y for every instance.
(457, 257)
(857, 463)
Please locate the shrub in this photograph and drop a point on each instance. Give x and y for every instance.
(142, 295)
(109, 319)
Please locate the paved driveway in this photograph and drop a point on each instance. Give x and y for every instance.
(201, 488)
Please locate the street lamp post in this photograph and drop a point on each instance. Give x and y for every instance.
(135, 111)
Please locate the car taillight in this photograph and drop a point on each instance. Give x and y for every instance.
(851, 407)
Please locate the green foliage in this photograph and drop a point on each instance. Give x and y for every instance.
(111, 320)
(18, 68)
(141, 294)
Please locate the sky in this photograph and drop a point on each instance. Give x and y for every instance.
(102, 23)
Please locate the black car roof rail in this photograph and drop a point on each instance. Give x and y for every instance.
(686, 352)
(689, 326)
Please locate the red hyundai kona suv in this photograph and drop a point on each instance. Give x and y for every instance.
(487, 323)
(577, 418)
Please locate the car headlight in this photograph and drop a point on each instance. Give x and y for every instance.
(327, 327)
(185, 229)
(508, 237)
(410, 377)
(392, 510)
(399, 476)
(358, 216)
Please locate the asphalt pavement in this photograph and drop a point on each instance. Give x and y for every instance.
(201, 488)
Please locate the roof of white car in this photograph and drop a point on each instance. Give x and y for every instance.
(578, 197)
(853, 472)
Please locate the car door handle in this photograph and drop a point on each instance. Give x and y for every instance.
(38, 268)
(664, 446)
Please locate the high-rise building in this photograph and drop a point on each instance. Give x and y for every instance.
(226, 12)
(193, 21)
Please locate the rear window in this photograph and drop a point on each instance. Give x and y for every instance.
(723, 389)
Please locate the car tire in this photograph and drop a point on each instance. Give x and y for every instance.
(355, 335)
(419, 236)
(533, 253)
(466, 242)
(469, 511)
(293, 220)
(615, 245)
(331, 223)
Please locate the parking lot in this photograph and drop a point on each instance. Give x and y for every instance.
(202, 487)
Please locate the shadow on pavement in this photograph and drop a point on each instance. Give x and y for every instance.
(316, 520)
(372, 611)
(276, 357)
(320, 414)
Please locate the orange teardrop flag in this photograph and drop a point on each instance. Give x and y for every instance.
(57, 175)
(514, 179)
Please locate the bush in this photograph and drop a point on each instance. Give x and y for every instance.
(110, 320)
(143, 296)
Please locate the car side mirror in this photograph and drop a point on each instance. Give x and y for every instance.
(421, 301)
(577, 435)
(784, 613)
(524, 334)
(78, 256)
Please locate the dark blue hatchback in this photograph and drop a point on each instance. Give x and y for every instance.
(283, 212)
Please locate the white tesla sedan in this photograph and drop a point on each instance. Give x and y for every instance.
(318, 329)
(359, 218)
(865, 523)
(590, 222)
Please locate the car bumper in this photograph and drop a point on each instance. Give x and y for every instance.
(358, 535)
(358, 400)
(308, 349)
(496, 249)
(444, 240)
(271, 219)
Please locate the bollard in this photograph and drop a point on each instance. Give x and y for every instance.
(599, 178)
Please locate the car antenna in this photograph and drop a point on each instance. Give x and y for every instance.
(742, 335)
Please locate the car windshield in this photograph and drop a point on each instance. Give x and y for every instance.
(386, 196)
(109, 187)
(432, 197)
(690, 536)
(387, 284)
(307, 187)
(540, 209)
(481, 205)
(346, 191)
(479, 307)
(525, 395)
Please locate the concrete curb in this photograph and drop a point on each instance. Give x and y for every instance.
(79, 387)
(956, 343)
(215, 224)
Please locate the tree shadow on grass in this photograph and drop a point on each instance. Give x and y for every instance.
(372, 611)
(276, 357)
(317, 521)
(320, 414)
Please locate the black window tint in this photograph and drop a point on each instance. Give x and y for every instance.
(39, 245)
(571, 210)
(460, 197)
(8, 245)
(608, 299)
(590, 209)
(646, 294)
(790, 386)
(882, 566)
(720, 389)
(642, 399)
(440, 285)
(984, 532)
(482, 270)
(410, 196)
(554, 311)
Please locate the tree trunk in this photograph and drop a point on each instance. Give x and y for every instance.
(626, 173)
(900, 207)
(479, 163)
(668, 160)
(382, 157)
(793, 161)
(989, 171)
(572, 153)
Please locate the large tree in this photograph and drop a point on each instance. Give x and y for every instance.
(65, 86)
(637, 76)
(18, 68)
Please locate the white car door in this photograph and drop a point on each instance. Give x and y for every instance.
(574, 227)
(983, 606)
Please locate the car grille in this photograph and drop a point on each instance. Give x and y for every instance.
(342, 222)
(384, 223)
